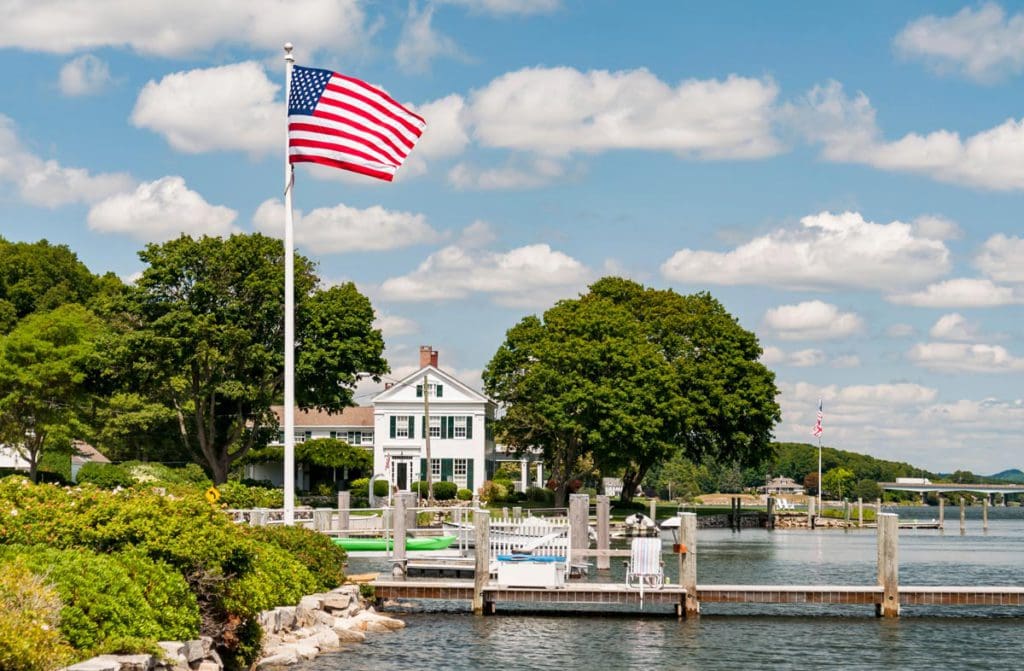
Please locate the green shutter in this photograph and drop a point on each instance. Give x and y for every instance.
(412, 426)
(469, 475)
(444, 427)
(447, 470)
(392, 426)
(440, 390)
(469, 426)
(423, 426)
(423, 470)
(419, 391)
(451, 426)
(280, 437)
(334, 434)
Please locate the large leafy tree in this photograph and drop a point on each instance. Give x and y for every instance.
(633, 376)
(49, 367)
(205, 338)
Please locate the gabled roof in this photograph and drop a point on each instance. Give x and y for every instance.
(436, 375)
(361, 416)
(86, 453)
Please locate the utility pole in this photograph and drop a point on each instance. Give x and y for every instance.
(426, 439)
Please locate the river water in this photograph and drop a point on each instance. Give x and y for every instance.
(730, 636)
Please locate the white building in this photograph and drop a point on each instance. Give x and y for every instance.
(461, 447)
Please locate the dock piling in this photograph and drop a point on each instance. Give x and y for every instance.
(579, 507)
(653, 504)
(846, 514)
(770, 505)
(984, 513)
(963, 517)
(860, 512)
(688, 562)
(811, 513)
(942, 512)
(344, 505)
(604, 562)
(888, 565)
(400, 520)
(482, 564)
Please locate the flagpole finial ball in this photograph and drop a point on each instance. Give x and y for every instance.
(288, 47)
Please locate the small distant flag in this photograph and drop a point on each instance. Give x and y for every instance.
(818, 430)
(345, 123)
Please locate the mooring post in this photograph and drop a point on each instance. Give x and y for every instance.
(888, 565)
(517, 513)
(653, 504)
(878, 507)
(688, 562)
(604, 562)
(811, 513)
(963, 517)
(860, 512)
(482, 563)
(400, 520)
(344, 504)
(771, 512)
(846, 514)
(942, 511)
(984, 513)
(579, 505)
(322, 519)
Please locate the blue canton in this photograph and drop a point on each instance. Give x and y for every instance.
(307, 86)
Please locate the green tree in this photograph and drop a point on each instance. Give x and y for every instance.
(47, 364)
(204, 338)
(867, 490)
(837, 481)
(632, 376)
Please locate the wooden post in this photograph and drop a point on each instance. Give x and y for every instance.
(739, 513)
(846, 514)
(654, 509)
(984, 513)
(878, 507)
(811, 513)
(963, 517)
(482, 564)
(604, 562)
(688, 562)
(860, 512)
(344, 503)
(888, 565)
(771, 512)
(322, 519)
(517, 513)
(504, 513)
(579, 505)
(942, 511)
(400, 519)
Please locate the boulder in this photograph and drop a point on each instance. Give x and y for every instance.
(193, 651)
(174, 652)
(134, 662)
(349, 635)
(312, 601)
(283, 656)
(104, 663)
(306, 650)
(337, 601)
(209, 665)
(327, 639)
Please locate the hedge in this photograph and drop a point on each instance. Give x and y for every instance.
(30, 638)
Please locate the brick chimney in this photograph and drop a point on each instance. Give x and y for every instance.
(428, 357)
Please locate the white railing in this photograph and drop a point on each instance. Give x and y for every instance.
(537, 536)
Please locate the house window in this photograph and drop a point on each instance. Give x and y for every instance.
(435, 470)
(435, 427)
(402, 426)
(367, 438)
(303, 436)
(433, 390)
(460, 427)
(460, 472)
(355, 438)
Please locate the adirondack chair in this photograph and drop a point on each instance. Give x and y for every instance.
(645, 568)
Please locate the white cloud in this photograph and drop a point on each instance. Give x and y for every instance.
(393, 326)
(558, 111)
(447, 134)
(527, 275)
(936, 227)
(161, 210)
(47, 182)
(983, 44)
(182, 28)
(961, 292)
(848, 133)
(812, 320)
(507, 7)
(226, 107)
(965, 358)
(845, 361)
(85, 75)
(1002, 258)
(342, 228)
(476, 235)
(828, 250)
(953, 327)
(805, 358)
(420, 43)
(539, 172)
(900, 331)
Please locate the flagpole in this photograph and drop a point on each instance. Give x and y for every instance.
(819, 474)
(289, 310)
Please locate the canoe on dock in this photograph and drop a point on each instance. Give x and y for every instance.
(354, 544)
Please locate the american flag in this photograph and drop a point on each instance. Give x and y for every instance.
(818, 430)
(345, 123)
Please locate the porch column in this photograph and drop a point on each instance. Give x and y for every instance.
(540, 473)
(522, 475)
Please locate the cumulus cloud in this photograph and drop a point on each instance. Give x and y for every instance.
(181, 28)
(1002, 258)
(805, 358)
(961, 292)
(47, 182)
(558, 111)
(953, 327)
(982, 44)
(341, 228)
(393, 326)
(538, 172)
(847, 130)
(226, 107)
(507, 7)
(936, 227)
(522, 276)
(85, 75)
(420, 43)
(161, 210)
(448, 135)
(965, 358)
(812, 320)
(827, 251)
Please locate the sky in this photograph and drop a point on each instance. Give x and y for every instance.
(847, 178)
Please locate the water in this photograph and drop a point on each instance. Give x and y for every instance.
(731, 636)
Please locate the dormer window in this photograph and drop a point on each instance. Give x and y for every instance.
(435, 390)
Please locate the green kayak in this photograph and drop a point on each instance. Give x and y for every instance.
(369, 544)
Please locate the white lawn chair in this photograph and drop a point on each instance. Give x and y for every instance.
(645, 568)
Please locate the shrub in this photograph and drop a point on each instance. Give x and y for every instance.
(361, 487)
(315, 551)
(445, 491)
(30, 639)
(105, 476)
(236, 495)
(464, 494)
(152, 473)
(540, 495)
(493, 492)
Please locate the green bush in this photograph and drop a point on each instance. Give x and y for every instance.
(445, 491)
(464, 494)
(236, 495)
(105, 476)
(493, 492)
(540, 495)
(315, 551)
(361, 486)
(30, 638)
(152, 473)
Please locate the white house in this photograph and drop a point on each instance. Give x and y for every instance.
(461, 447)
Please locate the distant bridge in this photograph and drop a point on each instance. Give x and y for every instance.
(941, 487)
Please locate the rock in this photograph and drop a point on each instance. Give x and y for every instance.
(372, 627)
(209, 665)
(306, 650)
(323, 619)
(304, 616)
(105, 663)
(369, 620)
(349, 635)
(286, 617)
(174, 652)
(327, 639)
(337, 601)
(214, 656)
(134, 662)
(283, 656)
(312, 601)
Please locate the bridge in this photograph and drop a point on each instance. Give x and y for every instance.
(943, 487)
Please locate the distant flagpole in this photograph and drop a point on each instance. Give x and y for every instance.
(289, 309)
(817, 431)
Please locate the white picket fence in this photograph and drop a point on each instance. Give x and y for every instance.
(538, 536)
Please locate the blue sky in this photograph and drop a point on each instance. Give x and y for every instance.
(846, 179)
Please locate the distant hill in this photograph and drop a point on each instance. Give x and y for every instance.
(1014, 475)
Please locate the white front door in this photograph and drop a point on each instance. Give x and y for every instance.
(401, 473)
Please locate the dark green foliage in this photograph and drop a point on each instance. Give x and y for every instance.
(105, 476)
(236, 495)
(445, 491)
(315, 551)
(361, 486)
(464, 494)
(797, 460)
(540, 495)
(38, 277)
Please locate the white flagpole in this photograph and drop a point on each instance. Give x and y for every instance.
(289, 311)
